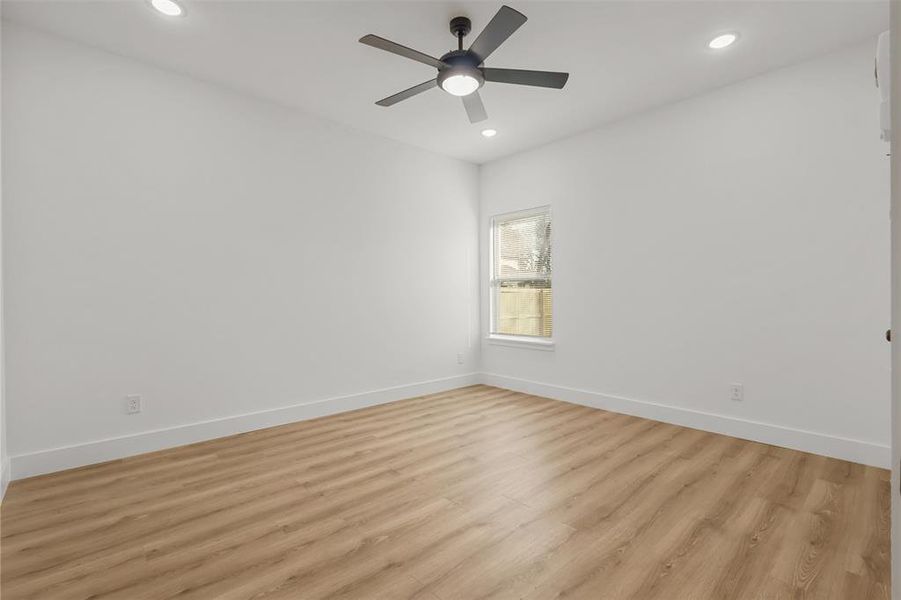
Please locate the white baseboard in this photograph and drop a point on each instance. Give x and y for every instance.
(58, 459)
(858, 451)
(4, 477)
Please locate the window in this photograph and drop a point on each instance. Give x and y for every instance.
(521, 302)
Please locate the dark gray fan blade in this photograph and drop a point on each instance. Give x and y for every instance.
(475, 110)
(395, 48)
(548, 79)
(501, 26)
(409, 93)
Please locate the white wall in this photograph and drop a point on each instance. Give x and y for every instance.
(740, 236)
(4, 461)
(214, 253)
(895, 8)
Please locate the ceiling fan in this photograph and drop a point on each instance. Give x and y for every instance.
(461, 72)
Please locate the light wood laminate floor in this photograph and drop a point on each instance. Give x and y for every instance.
(474, 493)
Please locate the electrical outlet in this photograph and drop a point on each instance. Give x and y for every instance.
(459, 358)
(133, 404)
(737, 392)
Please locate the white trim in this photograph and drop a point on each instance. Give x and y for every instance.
(522, 213)
(58, 459)
(521, 341)
(859, 451)
(4, 478)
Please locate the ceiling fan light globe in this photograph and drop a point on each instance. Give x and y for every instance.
(461, 79)
(460, 85)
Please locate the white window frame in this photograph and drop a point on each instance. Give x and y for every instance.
(499, 339)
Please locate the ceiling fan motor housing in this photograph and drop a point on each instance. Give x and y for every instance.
(461, 62)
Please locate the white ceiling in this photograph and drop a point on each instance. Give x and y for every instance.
(623, 57)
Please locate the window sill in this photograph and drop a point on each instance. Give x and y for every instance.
(520, 341)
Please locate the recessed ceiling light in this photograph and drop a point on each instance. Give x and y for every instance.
(722, 41)
(170, 8)
(489, 132)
